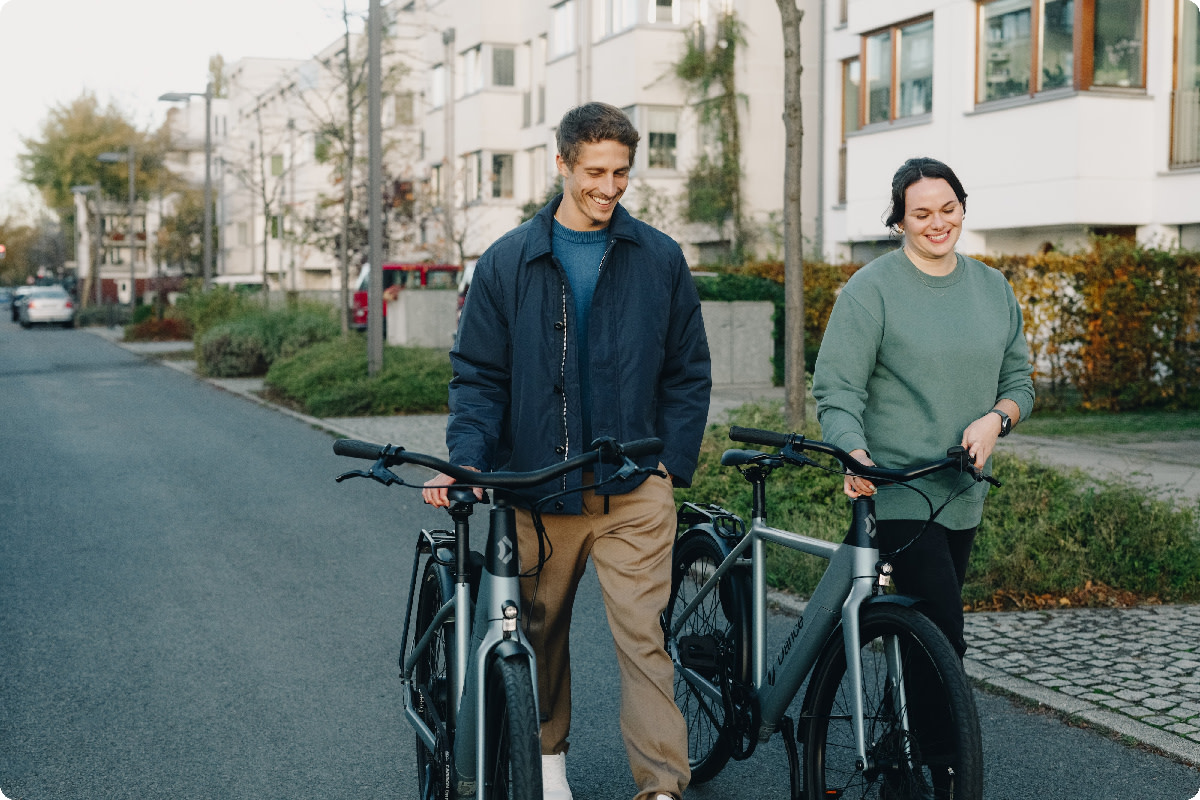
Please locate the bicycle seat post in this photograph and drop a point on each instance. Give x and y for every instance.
(461, 512)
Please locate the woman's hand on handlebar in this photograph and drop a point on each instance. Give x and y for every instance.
(855, 486)
(436, 489)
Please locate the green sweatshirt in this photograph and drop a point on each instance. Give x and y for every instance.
(908, 361)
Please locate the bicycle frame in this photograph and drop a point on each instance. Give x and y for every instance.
(494, 629)
(850, 579)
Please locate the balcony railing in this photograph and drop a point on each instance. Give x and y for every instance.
(1185, 131)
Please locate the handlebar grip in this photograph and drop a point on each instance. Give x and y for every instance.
(353, 448)
(759, 436)
(642, 447)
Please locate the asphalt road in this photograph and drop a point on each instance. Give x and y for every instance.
(190, 606)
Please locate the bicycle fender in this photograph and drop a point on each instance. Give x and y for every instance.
(907, 601)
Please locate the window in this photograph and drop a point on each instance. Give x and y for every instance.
(664, 11)
(472, 71)
(563, 40)
(502, 175)
(1185, 108)
(404, 113)
(504, 66)
(662, 125)
(1031, 46)
(473, 176)
(613, 16)
(1118, 35)
(851, 100)
(538, 171)
(437, 86)
(899, 72)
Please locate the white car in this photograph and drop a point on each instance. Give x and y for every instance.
(48, 304)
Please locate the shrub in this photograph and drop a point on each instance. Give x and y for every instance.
(168, 329)
(1047, 531)
(247, 344)
(205, 309)
(330, 380)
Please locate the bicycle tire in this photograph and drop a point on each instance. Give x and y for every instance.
(512, 765)
(944, 750)
(431, 679)
(713, 642)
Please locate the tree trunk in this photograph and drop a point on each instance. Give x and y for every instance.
(795, 391)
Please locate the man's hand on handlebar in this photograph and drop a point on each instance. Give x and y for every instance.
(436, 489)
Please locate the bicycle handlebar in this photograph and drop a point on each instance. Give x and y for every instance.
(608, 450)
(956, 457)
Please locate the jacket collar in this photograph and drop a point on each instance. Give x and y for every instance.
(541, 232)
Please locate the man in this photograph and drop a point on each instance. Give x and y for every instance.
(585, 322)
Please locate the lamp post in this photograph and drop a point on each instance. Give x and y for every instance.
(207, 94)
(128, 158)
(93, 278)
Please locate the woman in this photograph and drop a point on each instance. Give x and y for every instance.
(924, 350)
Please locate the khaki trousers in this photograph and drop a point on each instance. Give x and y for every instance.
(630, 546)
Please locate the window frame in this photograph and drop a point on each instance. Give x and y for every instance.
(1083, 33)
(895, 33)
(645, 112)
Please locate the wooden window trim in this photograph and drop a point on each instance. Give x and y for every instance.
(894, 77)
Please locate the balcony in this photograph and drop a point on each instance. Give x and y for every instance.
(1185, 128)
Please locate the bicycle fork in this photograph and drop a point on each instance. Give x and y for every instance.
(866, 552)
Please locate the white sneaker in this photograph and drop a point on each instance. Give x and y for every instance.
(662, 796)
(554, 778)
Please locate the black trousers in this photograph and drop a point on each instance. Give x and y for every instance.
(933, 568)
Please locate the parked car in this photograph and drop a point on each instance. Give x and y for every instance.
(5, 296)
(397, 277)
(47, 304)
(18, 296)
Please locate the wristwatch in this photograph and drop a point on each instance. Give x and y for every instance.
(1005, 421)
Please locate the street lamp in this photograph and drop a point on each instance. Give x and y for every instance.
(128, 158)
(175, 97)
(93, 278)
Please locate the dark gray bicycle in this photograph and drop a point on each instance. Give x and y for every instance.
(888, 711)
(468, 670)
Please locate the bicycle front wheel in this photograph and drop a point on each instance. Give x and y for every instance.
(922, 729)
(710, 649)
(512, 765)
(432, 685)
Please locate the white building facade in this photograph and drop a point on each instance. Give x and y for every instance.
(1062, 118)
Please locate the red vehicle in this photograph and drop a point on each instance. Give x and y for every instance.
(397, 277)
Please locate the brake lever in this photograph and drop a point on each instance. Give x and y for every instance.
(966, 465)
(378, 472)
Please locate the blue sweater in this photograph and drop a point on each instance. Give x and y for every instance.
(580, 253)
(908, 361)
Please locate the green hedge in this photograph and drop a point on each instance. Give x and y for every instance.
(330, 380)
(250, 342)
(1047, 531)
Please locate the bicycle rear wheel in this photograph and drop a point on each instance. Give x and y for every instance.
(937, 755)
(512, 765)
(432, 685)
(710, 648)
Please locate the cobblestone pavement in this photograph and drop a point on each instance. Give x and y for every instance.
(1134, 671)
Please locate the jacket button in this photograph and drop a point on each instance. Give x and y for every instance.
(558, 326)
(560, 449)
(559, 506)
(558, 389)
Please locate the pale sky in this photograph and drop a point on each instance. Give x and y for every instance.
(130, 52)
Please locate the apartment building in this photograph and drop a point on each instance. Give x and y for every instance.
(502, 73)
(1063, 118)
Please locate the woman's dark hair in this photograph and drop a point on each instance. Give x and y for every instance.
(594, 122)
(912, 171)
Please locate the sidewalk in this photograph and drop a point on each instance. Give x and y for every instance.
(1132, 671)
